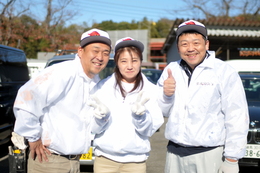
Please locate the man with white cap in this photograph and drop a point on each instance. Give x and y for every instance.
(51, 108)
(204, 100)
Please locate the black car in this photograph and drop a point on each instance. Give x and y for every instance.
(152, 74)
(251, 84)
(13, 74)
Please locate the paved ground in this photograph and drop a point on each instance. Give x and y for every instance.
(156, 161)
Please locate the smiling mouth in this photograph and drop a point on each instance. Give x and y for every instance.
(191, 55)
(194, 54)
(97, 64)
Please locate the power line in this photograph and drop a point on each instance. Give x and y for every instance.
(115, 9)
(101, 3)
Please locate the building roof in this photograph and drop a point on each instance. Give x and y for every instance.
(219, 28)
(234, 32)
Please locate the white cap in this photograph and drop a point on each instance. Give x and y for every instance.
(128, 41)
(192, 25)
(94, 36)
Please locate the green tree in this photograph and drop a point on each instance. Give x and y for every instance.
(163, 27)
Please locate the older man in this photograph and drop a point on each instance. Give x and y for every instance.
(51, 108)
(205, 101)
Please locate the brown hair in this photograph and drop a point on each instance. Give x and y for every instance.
(118, 75)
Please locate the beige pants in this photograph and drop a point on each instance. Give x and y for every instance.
(104, 165)
(56, 164)
(205, 162)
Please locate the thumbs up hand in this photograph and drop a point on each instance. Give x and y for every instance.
(169, 84)
(100, 110)
(138, 107)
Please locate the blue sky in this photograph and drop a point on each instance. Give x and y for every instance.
(119, 10)
(91, 11)
(125, 10)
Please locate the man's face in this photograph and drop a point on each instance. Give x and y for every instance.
(192, 48)
(94, 58)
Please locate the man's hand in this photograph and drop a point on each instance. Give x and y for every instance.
(100, 110)
(39, 150)
(138, 107)
(229, 167)
(169, 84)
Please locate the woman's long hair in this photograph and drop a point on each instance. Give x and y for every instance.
(118, 75)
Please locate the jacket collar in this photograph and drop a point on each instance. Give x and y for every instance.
(208, 61)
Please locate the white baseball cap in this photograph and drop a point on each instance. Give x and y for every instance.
(128, 41)
(93, 36)
(191, 25)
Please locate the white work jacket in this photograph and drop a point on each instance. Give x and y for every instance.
(211, 111)
(123, 136)
(52, 106)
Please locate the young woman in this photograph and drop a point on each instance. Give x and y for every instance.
(126, 113)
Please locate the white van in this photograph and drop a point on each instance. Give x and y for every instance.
(245, 65)
(35, 66)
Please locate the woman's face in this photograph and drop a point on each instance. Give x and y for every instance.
(129, 65)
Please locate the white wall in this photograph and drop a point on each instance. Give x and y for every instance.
(139, 34)
(35, 66)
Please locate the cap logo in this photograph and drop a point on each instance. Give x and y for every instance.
(94, 33)
(127, 39)
(190, 23)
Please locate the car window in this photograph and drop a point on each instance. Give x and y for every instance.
(252, 88)
(108, 70)
(152, 75)
(56, 62)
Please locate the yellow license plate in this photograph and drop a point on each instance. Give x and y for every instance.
(87, 156)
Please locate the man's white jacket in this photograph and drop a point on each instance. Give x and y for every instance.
(52, 106)
(211, 111)
(123, 136)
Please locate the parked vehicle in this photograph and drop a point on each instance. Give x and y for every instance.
(35, 66)
(251, 84)
(13, 74)
(152, 74)
(245, 65)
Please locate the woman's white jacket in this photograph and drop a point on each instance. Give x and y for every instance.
(123, 136)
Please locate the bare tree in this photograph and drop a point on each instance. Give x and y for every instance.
(219, 8)
(7, 17)
(226, 7)
(251, 7)
(56, 15)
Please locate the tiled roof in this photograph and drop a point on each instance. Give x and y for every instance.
(223, 22)
(234, 32)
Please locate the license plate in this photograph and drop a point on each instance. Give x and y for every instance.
(252, 151)
(87, 156)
